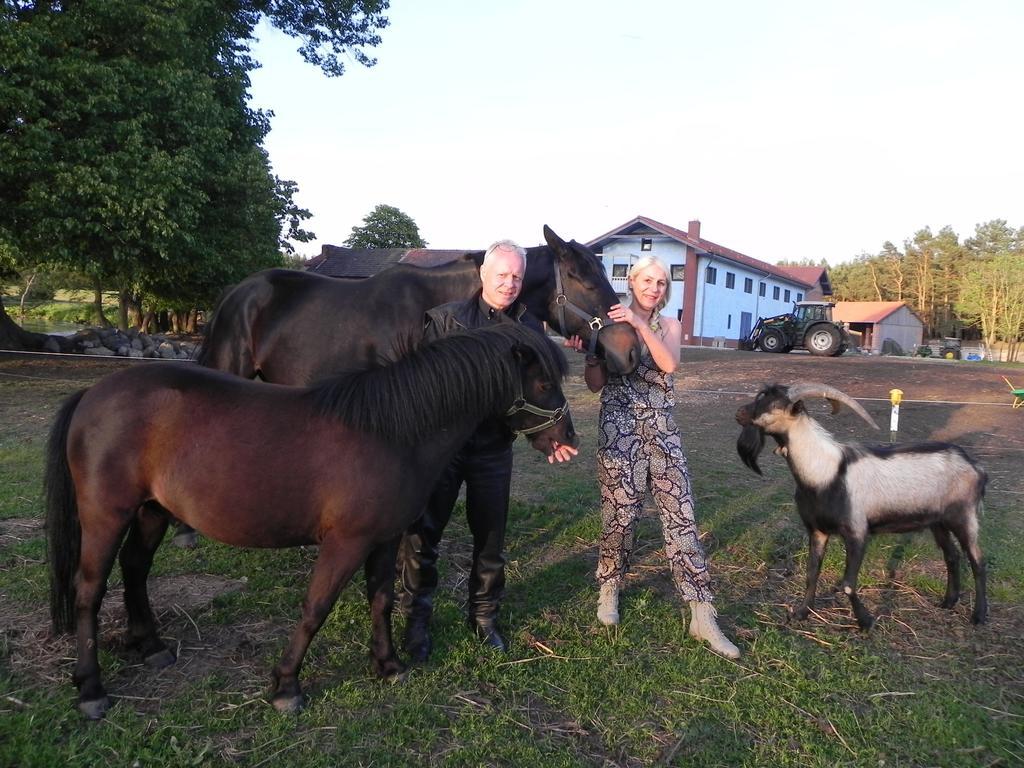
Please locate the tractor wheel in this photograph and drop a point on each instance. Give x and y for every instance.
(823, 340)
(772, 340)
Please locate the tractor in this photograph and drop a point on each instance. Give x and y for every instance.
(809, 326)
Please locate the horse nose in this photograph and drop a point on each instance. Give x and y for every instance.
(743, 416)
(634, 358)
(571, 436)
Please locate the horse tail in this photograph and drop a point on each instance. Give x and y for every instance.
(63, 532)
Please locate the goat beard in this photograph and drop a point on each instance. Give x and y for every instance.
(749, 445)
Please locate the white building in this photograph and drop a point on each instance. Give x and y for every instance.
(717, 293)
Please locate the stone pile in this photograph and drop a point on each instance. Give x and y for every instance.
(111, 342)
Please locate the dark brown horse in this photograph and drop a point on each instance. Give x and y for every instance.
(346, 464)
(290, 327)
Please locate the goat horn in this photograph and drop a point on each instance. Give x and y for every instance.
(803, 389)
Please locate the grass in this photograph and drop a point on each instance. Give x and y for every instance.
(65, 307)
(923, 688)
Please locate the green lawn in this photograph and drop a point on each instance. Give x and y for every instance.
(923, 688)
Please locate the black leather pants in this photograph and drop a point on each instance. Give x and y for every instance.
(487, 473)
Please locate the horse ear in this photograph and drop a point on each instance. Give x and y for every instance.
(522, 353)
(555, 243)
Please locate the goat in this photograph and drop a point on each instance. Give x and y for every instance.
(854, 490)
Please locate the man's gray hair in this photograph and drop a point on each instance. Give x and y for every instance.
(505, 245)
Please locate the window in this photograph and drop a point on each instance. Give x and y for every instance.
(799, 297)
(775, 293)
(645, 243)
(786, 296)
(730, 280)
(748, 285)
(728, 321)
(679, 272)
(761, 288)
(619, 270)
(712, 275)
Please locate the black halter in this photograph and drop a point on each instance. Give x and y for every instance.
(519, 405)
(596, 322)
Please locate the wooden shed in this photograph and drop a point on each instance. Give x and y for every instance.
(877, 321)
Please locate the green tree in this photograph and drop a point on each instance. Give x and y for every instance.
(127, 149)
(853, 281)
(386, 227)
(992, 286)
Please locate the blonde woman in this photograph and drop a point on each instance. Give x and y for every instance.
(639, 447)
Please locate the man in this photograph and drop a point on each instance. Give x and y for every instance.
(484, 464)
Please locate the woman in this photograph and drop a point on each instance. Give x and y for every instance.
(639, 446)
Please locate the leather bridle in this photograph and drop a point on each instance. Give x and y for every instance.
(596, 322)
(520, 405)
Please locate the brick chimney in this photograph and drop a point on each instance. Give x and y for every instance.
(693, 229)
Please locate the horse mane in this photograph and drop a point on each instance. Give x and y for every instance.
(472, 372)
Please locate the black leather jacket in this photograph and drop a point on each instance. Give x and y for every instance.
(474, 312)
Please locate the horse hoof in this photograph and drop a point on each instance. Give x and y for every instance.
(160, 659)
(399, 676)
(289, 705)
(389, 669)
(95, 709)
(186, 540)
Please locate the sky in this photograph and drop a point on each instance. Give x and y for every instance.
(791, 129)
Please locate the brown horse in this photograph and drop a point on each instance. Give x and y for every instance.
(346, 465)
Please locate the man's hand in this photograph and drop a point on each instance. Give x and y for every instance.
(561, 452)
(574, 342)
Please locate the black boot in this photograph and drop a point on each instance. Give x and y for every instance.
(418, 643)
(488, 633)
(417, 560)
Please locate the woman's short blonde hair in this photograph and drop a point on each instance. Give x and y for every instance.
(653, 261)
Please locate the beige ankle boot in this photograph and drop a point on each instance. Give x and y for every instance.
(608, 604)
(704, 626)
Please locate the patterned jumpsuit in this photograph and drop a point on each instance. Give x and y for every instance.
(639, 445)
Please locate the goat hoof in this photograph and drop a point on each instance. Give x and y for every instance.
(798, 614)
(95, 709)
(866, 624)
(289, 705)
(979, 618)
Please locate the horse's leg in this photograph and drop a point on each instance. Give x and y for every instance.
(185, 536)
(136, 558)
(99, 548)
(380, 592)
(337, 561)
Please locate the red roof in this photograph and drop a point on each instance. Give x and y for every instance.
(706, 246)
(865, 311)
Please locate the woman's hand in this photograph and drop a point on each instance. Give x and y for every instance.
(620, 313)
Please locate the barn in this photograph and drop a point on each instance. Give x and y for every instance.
(877, 321)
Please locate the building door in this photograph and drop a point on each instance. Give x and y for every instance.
(745, 318)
